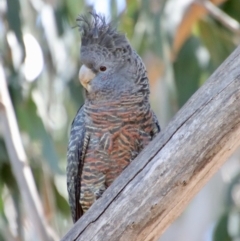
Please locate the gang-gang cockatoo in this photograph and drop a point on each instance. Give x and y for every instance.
(116, 121)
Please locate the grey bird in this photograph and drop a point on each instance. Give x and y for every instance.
(116, 121)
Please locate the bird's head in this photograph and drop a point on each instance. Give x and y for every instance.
(110, 67)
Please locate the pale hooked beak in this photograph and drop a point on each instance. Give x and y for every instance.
(85, 77)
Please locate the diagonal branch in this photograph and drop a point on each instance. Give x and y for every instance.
(156, 187)
(221, 16)
(19, 163)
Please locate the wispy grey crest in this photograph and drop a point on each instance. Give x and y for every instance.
(97, 31)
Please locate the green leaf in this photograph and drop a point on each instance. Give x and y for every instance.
(1, 200)
(14, 20)
(30, 122)
(217, 40)
(71, 9)
(187, 70)
(7, 177)
(232, 8)
(113, 9)
(221, 231)
(76, 91)
(58, 18)
(3, 153)
(2, 238)
(61, 203)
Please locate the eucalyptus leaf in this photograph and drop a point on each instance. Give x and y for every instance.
(221, 231)
(217, 40)
(14, 21)
(187, 70)
(32, 124)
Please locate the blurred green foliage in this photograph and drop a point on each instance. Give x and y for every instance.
(46, 104)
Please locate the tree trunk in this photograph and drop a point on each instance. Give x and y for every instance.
(19, 164)
(156, 187)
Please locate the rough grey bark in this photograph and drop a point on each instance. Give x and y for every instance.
(156, 187)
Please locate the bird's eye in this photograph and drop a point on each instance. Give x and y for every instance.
(103, 68)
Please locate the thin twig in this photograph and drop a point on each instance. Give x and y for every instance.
(19, 163)
(221, 16)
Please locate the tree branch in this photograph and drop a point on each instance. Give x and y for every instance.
(221, 16)
(156, 187)
(19, 163)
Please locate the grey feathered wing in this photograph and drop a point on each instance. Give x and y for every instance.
(156, 128)
(75, 163)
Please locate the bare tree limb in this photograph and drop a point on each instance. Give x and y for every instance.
(156, 187)
(19, 163)
(221, 16)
